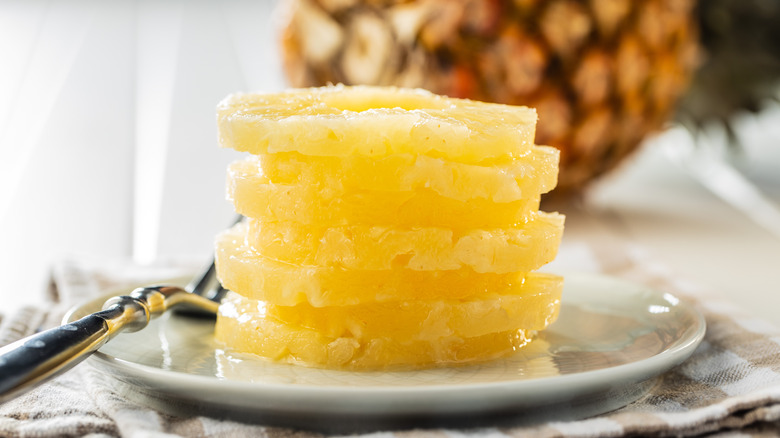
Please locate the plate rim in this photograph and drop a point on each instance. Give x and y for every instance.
(352, 399)
(680, 348)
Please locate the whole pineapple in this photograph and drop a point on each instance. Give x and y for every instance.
(601, 73)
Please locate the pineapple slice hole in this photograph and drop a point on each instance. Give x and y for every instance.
(375, 99)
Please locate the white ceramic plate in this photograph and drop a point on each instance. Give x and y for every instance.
(611, 340)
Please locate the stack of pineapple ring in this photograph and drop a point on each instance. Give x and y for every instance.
(386, 228)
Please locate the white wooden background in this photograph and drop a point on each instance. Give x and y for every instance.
(107, 126)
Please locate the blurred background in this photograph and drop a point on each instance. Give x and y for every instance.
(666, 113)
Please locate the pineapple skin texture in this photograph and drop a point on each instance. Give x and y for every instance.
(602, 74)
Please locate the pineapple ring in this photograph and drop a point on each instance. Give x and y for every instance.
(529, 175)
(535, 309)
(374, 121)
(242, 328)
(498, 250)
(257, 198)
(255, 276)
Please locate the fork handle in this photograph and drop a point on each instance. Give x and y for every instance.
(31, 361)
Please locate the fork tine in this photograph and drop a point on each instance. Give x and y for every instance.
(201, 283)
(218, 293)
(205, 283)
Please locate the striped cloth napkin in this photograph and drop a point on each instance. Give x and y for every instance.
(730, 386)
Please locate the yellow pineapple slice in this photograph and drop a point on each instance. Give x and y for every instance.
(529, 175)
(363, 247)
(254, 196)
(243, 327)
(255, 276)
(535, 309)
(374, 122)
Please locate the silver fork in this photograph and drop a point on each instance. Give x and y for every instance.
(31, 361)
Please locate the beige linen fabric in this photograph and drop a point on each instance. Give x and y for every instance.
(729, 387)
